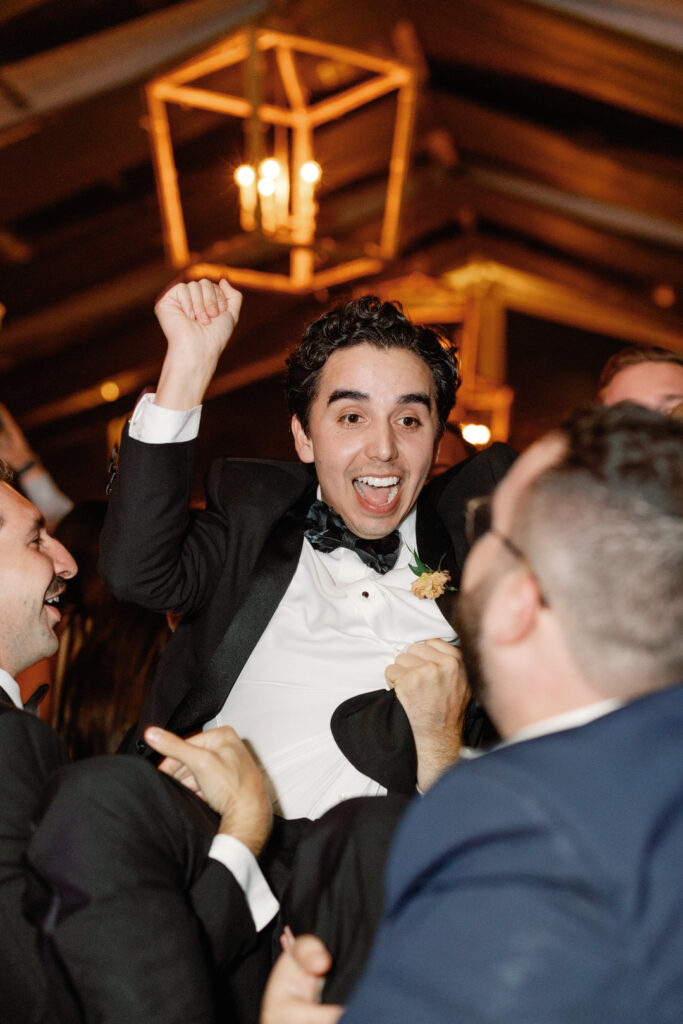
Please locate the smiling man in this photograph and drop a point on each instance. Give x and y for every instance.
(295, 583)
(189, 845)
(300, 628)
(33, 568)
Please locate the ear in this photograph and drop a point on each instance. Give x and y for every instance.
(302, 442)
(515, 607)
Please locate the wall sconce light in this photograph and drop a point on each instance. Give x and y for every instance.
(277, 191)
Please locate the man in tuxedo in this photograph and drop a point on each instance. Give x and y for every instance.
(295, 583)
(33, 568)
(541, 881)
(178, 881)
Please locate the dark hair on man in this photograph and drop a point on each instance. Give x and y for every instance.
(631, 356)
(6, 474)
(372, 321)
(603, 529)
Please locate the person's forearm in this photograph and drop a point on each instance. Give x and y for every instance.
(183, 382)
(435, 755)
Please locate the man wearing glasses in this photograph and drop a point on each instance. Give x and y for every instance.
(541, 882)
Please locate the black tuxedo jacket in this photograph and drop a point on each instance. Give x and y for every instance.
(30, 751)
(226, 568)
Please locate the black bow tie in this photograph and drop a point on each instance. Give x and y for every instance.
(326, 531)
(36, 698)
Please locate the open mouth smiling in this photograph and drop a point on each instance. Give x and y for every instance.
(53, 595)
(377, 491)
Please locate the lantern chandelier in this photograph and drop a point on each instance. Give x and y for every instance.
(277, 190)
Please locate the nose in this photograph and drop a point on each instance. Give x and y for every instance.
(63, 562)
(381, 442)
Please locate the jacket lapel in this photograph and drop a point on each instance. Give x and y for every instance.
(434, 546)
(268, 582)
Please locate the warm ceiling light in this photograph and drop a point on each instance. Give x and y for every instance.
(476, 433)
(311, 172)
(664, 296)
(110, 390)
(266, 186)
(281, 111)
(269, 168)
(245, 175)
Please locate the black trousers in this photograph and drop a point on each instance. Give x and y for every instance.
(145, 927)
(133, 910)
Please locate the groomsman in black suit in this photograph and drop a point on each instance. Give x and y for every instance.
(210, 913)
(33, 570)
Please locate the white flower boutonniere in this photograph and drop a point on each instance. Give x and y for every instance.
(430, 583)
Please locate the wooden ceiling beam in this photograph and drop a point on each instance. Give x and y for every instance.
(517, 38)
(655, 21)
(547, 156)
(107, 60)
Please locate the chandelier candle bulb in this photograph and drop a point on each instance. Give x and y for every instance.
(245, 177)
(266, 191)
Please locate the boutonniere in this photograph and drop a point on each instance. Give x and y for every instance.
(429, 582)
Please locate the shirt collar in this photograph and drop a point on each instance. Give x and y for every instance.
(11, 688)
(567, 720)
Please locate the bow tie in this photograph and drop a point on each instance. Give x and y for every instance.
(326, 531)
(36, 698)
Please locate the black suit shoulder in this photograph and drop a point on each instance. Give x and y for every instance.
(475, 475)
(266, 488)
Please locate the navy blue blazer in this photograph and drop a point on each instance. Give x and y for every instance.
(226, 568)
(541, 884)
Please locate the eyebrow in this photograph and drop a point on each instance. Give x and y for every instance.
(412, 398)
(37, 524)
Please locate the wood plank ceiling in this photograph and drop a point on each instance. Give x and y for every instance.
(548, 137)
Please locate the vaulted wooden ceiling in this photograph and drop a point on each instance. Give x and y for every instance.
(548, 138)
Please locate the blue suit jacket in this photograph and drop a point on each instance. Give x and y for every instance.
(541, 884)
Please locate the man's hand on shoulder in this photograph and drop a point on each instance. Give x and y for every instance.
(295, 983)
(198, 319)
(429, 681)
(217, 766)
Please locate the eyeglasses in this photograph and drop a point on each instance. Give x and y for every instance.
(479, 521)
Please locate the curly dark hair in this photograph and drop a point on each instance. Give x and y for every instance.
(372, 321)
(6, 474)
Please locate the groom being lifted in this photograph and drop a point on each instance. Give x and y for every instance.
(294, 583)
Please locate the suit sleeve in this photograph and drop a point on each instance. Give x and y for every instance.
(493, 914)
(154, 551)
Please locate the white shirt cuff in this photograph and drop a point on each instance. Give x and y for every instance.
(153, 424)
(243, 866)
